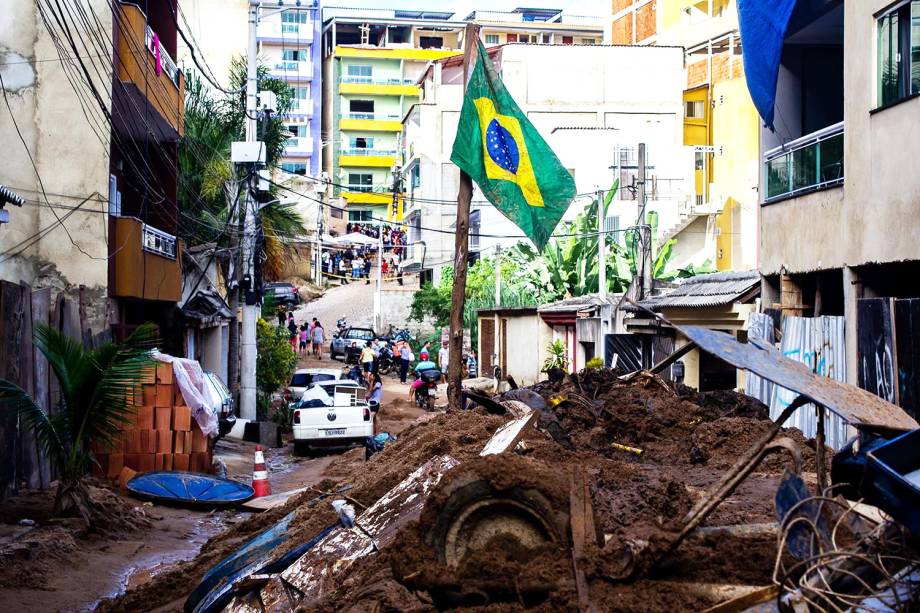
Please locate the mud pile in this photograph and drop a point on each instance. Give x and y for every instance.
(453, 559)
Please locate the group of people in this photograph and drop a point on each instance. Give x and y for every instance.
(348, 263)
(306, 336)
(392, 237)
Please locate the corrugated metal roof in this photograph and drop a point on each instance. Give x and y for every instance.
(716, 289)
(579, 302)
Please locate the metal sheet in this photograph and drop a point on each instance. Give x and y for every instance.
(818, 344)
(760, 326)
(857, 406)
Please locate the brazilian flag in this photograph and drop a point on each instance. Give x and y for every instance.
(505, 155)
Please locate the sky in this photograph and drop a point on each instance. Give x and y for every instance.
(463, 7)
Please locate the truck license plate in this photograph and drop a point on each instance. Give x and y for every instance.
(335, 432)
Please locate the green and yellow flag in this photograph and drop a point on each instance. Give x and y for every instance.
(505, 155)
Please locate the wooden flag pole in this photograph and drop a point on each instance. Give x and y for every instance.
(461, 245)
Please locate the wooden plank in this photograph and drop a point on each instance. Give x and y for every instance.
(41, 375)
(29, 472)
(317, 571)
(10, 341)
(507, 436)
(581, 517)
(270, 502)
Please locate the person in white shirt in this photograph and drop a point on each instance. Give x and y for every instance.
(443, 359)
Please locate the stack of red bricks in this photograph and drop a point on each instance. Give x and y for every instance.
(160, 433)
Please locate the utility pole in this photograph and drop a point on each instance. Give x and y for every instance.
(461, 245)
(248, 348)
(645, 238)
(601, 248)
(232, 196)
(318, 256)
(496, 333)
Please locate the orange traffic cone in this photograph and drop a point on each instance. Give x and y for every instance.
(260, 475)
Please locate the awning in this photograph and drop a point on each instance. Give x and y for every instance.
(354, 238)
(207, 308)
(763, 29)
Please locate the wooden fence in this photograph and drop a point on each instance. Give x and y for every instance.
(21, 308)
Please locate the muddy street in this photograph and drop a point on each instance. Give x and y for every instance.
(53, 566)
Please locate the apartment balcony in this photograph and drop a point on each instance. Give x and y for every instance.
(144, 63)
(367, 194)
(276, 31)
(809, 163)
(298, 146)
(146, 262)
(370, 122)
(291, 70)
(379, 87)
(301, 107)
(367, 158)
(395, 53)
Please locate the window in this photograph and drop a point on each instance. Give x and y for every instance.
(415, 176)
(291, 16)
(694, 109)
(699, 160)
(300, 93)
(294, 55)
(298, 129)
(589, 41)
(360, 182)
(431, 42)
(361, 106)
(512, 38)
(526, 38)
(360, 216)
(567, 40)
(360, 70)
(361, 142)
(294, 168)
(491, 39)
(899, 53)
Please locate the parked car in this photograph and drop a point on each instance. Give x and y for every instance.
(347, 346)
(285, 293)
(305, 377)
(331, 414)
(220, 399)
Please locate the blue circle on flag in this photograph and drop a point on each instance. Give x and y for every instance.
(501, 147)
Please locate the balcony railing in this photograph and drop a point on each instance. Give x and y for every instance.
(378, 116)
(301, 67)
(166, 63)
(159, 242)
(376, 81)
(299, 143)
(814, 161)
(361, 151)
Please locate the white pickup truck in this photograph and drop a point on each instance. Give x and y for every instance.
(331, 414)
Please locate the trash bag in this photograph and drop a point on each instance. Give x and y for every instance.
(373, 444)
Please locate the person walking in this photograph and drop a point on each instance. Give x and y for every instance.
(405, 356)
(367, 361)
(343, 271)
(374, 396)
(443, 359)
(319, 337)
(292, 332)
(367, 269)
(304, 339)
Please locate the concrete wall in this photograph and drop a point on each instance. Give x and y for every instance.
(395, 303)
(873, 217)
(72, 160)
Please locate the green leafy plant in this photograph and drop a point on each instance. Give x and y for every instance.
(269, 306)
(594, 363)
(276, 361)
(97, 392)
(557, 358)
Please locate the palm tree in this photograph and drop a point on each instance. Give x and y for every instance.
(211, 124)
(97, 390)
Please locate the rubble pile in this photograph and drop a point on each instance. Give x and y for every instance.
(562, 521)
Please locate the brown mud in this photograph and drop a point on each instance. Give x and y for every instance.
(687, 440)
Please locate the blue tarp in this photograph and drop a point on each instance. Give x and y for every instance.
(763, 26)
(189, 489)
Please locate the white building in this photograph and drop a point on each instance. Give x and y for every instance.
(592, 104)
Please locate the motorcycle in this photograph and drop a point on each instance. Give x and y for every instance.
(386, 363)
(427, 393)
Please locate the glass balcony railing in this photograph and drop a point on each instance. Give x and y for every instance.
(378, 116)
(811, 162)
(167, 64)
(376, 80)
(159, 242)
(368, 189)
(360, 151)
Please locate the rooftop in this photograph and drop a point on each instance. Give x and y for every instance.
(716, 289)
(578, 303)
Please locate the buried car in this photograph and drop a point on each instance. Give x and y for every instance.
(331, 414)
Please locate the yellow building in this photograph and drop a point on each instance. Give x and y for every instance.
(720, 121)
